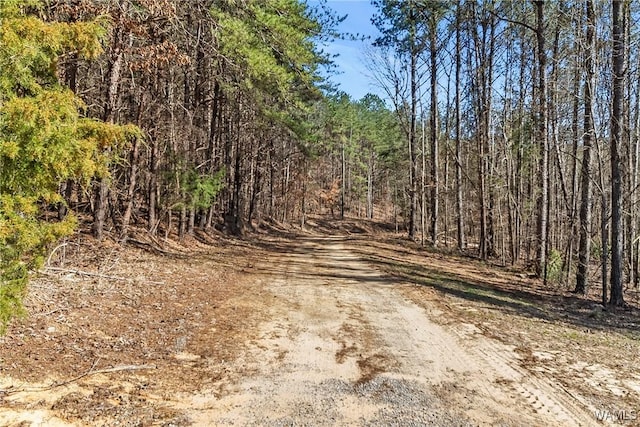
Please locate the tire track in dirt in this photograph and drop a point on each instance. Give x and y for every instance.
(342, 346)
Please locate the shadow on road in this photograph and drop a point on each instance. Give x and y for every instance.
(390, 264)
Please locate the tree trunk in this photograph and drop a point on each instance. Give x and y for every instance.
(343, 187)
(102, 192)
(619, 73)
(629, 233)
(635, 171)
(413, 176)
(482, 194)
(370, 183)
(541, 137)
(574, 171)
(488, 140)
(586, 200)
(435, 182)
(153, 186)
(133, 172)
(423, 183)
(459, 192)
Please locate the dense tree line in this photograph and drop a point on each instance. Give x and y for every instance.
(191, 115)
(510, 129)
(221, 91)
(539, 156)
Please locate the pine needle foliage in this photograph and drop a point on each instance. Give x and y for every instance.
(270, 49)
(44, 139)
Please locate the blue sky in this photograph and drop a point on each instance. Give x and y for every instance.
(352, 77)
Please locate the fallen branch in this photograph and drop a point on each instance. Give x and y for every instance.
(90, 372)
(62, 245)
(92, 274)
(147, 246)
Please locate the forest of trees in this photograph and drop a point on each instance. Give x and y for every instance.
(510, 129)
(531, 111)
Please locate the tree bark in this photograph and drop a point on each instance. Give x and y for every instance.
(102, 192)
(586, 200)
(412, 128)
(435, 181)
(459, 189)
(619, 73)
(542, 139)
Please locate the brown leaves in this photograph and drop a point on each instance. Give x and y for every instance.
(164, 8)
(147, 58)
(331, 196)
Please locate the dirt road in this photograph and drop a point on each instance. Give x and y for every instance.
(304, 330)
(342, 346)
